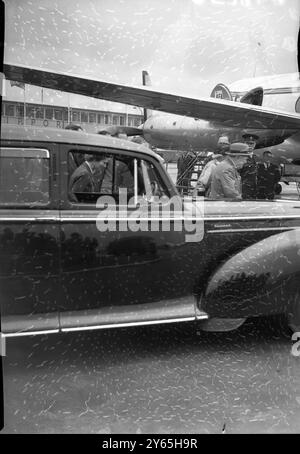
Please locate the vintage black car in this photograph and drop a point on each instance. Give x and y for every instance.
(62, 271)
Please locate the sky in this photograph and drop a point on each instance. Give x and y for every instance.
(187, 46)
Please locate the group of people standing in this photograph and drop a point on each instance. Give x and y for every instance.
(234, 173)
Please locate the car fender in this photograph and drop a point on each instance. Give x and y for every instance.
(259, 280)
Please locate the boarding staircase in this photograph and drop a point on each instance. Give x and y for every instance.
(187, 180)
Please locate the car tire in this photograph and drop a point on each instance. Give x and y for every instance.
(278, 189)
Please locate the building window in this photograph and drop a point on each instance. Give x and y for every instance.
(75, 116)
(20, 111)
(92, 118)
(100, 118)
(10, 110)
(49, 113)
(84, 117)
(137, 121)
(30, 112)
(39, 112)
(115, 120)
(107, 119)
(58, 114)
(122, 120)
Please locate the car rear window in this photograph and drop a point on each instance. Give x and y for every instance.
(24, 176)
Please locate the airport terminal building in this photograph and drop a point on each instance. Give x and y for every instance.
(33, 106)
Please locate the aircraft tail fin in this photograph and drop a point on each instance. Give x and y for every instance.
(147, 83)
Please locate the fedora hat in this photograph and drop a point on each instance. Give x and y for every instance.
(239, 149)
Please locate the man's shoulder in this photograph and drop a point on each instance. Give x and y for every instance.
(81, 170)
(209, 164)
(224, 166)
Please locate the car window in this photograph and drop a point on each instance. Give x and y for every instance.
(92, 175)
(24, 176)
(154, 185)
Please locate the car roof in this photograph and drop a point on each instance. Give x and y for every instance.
(59, 135)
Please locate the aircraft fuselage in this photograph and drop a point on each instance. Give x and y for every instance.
(175, 132)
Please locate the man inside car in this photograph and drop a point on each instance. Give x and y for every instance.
(85, 178)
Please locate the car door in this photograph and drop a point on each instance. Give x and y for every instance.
(29, 238)
(122, 275)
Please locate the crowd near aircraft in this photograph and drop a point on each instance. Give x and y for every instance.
(267, 108)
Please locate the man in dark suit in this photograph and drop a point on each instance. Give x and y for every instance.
(268, 175)
(249, 179)
(86, 177)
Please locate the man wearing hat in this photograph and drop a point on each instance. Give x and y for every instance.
(249, 170)
(204, 180)
(223, 145)
(85, 177)
(226, 180)
(251, 140)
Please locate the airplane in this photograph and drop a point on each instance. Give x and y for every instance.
(279, 91)
(194, 123)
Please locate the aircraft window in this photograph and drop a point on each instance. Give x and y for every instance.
(24, 176)
(92, 175)
(297, 107)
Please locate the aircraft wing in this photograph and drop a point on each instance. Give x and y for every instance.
(226, 113)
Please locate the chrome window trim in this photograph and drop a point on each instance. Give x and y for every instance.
(258, 229)
(30, 333)
(18, 152)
